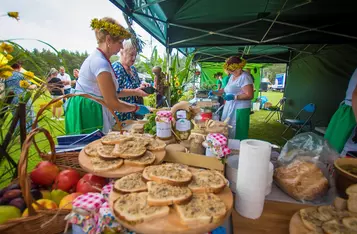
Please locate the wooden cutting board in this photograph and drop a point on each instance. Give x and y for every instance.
(86, 164)
(171, 224)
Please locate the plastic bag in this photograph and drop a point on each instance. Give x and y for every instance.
(305, 169)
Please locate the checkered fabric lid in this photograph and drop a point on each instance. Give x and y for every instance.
(90, 202)
(164, 114)
(217, 137)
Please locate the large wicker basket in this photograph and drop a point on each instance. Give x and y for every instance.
(39, 221)
(67, 160)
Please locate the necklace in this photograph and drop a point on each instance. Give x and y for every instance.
(108, 62)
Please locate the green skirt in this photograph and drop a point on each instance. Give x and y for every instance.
(83, 116)
(242, 123)
(340, 127)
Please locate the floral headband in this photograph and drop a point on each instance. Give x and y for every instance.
(234, 66)
(113, 29)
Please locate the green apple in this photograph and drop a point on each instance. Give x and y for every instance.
(46, 194)
(57, 195)
(9, 212)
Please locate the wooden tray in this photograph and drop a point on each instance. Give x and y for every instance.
(86, 164)
(171, 223)
(297, 226)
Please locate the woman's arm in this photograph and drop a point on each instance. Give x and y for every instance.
(247, 94)
(107, 88)
(132, 92)
(354, 102)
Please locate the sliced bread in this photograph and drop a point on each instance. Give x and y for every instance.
(208, 181)
(134, 209)
(130, 184)
(335, 227)
(115, 138)
(350, 222)
(106, 151)
(156, 145)
(203, 208)
(147, 159)
(129, 149)
(171, 174)
(352, 202)
(91, 149)
(312, 218)
(352, 189)
(165, 194)
(147, 171)
(100, 164)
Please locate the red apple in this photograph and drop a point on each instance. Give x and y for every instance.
(90, 183)
(67, 180)
(44, 173)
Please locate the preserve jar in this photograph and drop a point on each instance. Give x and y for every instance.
(163, 125)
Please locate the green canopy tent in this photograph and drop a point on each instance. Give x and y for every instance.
(305, 34)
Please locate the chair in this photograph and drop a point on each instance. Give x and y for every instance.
(299, 123)
(279, 107)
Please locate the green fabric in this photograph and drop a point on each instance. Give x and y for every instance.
(321, 79)
(208, 69)
(83, 116)
(340, 127)
(242, 123)
(225, 81)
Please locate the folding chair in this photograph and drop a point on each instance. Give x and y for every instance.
(298, 122)
(278, 111)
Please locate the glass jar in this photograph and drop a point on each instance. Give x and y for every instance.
(183, 124)
(163, 125)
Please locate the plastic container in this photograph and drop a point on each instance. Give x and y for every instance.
(163, 125)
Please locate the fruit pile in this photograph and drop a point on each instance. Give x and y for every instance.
(50, 188)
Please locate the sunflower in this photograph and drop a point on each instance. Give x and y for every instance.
(5, 71)
(29, 75)
(177, 84)
(179, 92)
(9, 57)
(13, 14)
(24, 84)
(6, 47)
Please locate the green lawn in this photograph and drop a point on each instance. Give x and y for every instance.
(270, 131)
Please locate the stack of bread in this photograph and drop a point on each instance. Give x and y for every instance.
(115, 149)
(149, 195)
(335, 219)
(302, 180)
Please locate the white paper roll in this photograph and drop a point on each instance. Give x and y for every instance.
(252, 177)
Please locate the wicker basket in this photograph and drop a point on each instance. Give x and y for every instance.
(67, 160)
(40, 221)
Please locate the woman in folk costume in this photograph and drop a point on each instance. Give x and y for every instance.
(343, 121)
(97, 78)
(238, 94)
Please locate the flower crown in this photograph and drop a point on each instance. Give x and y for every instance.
(234, 66)
(113, 29)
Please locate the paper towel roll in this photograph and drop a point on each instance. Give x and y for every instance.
(252, 177)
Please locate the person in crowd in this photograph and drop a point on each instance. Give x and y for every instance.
(56, 89)
(75, 77)
(159, 81)
(97, 78)
(219, 84)
(66, 80)
(344, 119)
(130, 86)
(238, 94)
(13, 84)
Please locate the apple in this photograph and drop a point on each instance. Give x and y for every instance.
(44, 173)
(66, 202)
(67, 180)
(45, 203)
(90, 183)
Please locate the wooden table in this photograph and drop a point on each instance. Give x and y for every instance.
(275, 219)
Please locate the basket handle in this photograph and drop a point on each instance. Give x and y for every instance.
(39, 113)
(22, 167)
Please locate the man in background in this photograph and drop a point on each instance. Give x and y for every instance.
(75, 77)
(66, 80)
(159, 84)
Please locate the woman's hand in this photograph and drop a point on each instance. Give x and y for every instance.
(144, 85)
(143, 110)
(140, 93)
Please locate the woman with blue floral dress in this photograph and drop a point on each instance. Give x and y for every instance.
(130, 86)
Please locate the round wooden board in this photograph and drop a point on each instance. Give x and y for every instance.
(171, 223)
(86, 164)
(296, 225)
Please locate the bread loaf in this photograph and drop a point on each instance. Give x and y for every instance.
(301, 180)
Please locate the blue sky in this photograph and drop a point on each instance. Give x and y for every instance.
(62, 23)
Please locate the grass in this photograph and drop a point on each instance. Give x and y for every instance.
(270, 132)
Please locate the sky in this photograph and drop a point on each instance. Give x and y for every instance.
(64, 24)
